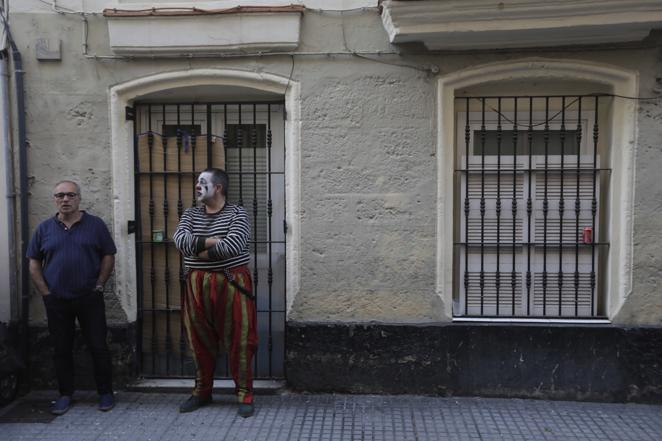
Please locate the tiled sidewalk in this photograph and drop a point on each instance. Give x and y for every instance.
(154, 416)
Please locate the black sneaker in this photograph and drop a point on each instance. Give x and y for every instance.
(106, 402)
(61, 405)
(194, 402)
(246, 410)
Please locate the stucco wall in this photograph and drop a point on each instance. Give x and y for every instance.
(644, 305)
(368, 192)
(367, 158)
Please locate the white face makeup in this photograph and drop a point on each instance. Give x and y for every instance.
(204, 187)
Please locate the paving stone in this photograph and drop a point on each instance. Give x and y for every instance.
(154, 416)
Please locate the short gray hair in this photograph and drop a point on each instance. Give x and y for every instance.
(67, 181)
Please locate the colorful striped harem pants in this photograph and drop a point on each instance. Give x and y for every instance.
(217, 316)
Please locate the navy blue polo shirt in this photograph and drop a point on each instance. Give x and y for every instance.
(71, 257)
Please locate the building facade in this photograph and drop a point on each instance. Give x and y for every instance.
(452, 197)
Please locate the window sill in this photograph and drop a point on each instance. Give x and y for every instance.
(562, 321)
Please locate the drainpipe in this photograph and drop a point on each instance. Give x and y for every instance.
(5, 139)
(24, 340)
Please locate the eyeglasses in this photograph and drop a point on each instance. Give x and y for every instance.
(70, 195)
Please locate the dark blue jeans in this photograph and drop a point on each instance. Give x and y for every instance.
(90, 311)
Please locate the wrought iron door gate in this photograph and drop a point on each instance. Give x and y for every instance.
(172, 144)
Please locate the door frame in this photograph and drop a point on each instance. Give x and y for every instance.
(123, 95)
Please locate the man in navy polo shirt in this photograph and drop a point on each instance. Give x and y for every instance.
(71, 257)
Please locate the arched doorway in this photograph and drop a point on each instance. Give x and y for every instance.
(184, 122)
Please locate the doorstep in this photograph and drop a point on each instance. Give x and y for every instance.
(176, 385)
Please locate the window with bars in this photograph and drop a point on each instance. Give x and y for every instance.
(531, 184)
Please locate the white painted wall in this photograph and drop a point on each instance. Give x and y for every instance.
(100, 5)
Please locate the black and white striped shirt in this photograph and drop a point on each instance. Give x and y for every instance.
(231, 225)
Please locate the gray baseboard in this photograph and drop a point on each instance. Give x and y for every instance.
(568, 362)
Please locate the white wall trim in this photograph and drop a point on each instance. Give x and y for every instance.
(623, 126)
(99, 5)
(482, 24)
(124, 94)
(267, 32)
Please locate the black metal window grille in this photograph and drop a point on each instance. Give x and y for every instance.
(171, 130)
(250, 155)
(532, 176)
(172, 144)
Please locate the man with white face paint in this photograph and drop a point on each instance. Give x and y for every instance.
(218, 307)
